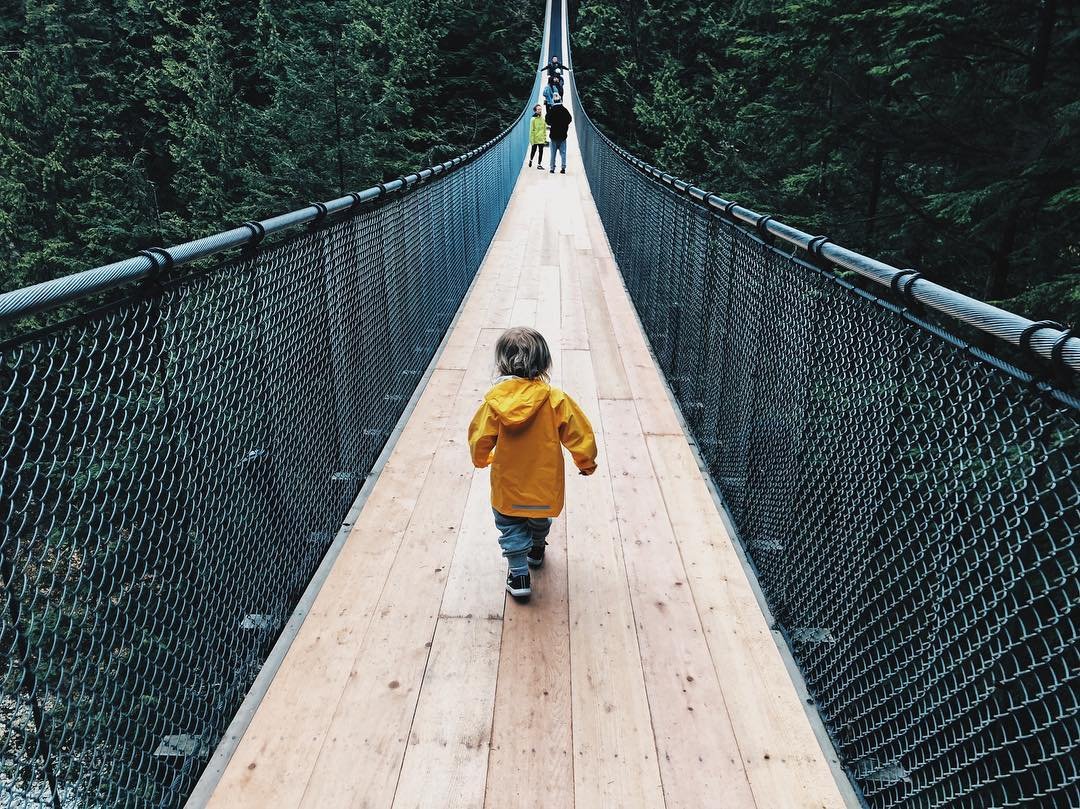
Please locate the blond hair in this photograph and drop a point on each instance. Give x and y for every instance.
(521, 351)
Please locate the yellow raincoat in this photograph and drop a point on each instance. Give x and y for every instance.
(518, 430)
(538, 131)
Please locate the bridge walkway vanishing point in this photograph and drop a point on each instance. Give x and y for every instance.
(641, 674)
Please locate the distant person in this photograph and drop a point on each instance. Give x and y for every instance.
(520, 430)
(550, 91)
(554, 68)
(537, 138)
(556, 80)
(559, 119)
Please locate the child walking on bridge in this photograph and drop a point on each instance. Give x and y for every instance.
(519, 431)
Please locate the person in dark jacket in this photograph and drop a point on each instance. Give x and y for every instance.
(559, 119)
(554, 68)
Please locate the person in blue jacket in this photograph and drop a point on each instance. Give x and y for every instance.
(550, 91)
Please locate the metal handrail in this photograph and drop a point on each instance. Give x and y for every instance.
(1044, 338)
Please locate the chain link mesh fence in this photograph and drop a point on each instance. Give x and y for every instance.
(911, 506)
(176, 464)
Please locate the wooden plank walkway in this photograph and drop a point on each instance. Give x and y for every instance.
(641, 674)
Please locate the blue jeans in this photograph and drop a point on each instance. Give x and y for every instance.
(518, 534)
(560, 147)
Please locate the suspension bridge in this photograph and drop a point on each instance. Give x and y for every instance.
(829, 557)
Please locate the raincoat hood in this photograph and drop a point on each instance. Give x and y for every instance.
(515, 400)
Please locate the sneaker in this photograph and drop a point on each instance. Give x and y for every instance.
(536, 554)
(563, 171)
(539, 167)
(518, 586)
(552, 169)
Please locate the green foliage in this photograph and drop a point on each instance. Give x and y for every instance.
(1058, 299)
(131, 123)
(940, 134)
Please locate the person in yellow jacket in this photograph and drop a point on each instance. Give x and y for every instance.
(537, 137)
(519, 431)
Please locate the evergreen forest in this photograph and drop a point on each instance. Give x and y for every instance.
(942, 135)
(132, 123)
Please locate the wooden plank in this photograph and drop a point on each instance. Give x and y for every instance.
(549, 305)
(531, 764)
(598, 242)
(524, 312)
(783, 759)
(475, 382)
(549, 242)
(474, 311)
(700, 762)
(580, 383)
(574, 330)
(611, 382)
(456, 352)
(278, 751)
(364, 744)
(518, 212)
(580, 238)
(654, 408)
(528, 282)
(475, 586)
(446, 762)
(505, 292)
(567, 209)
(614, 751)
